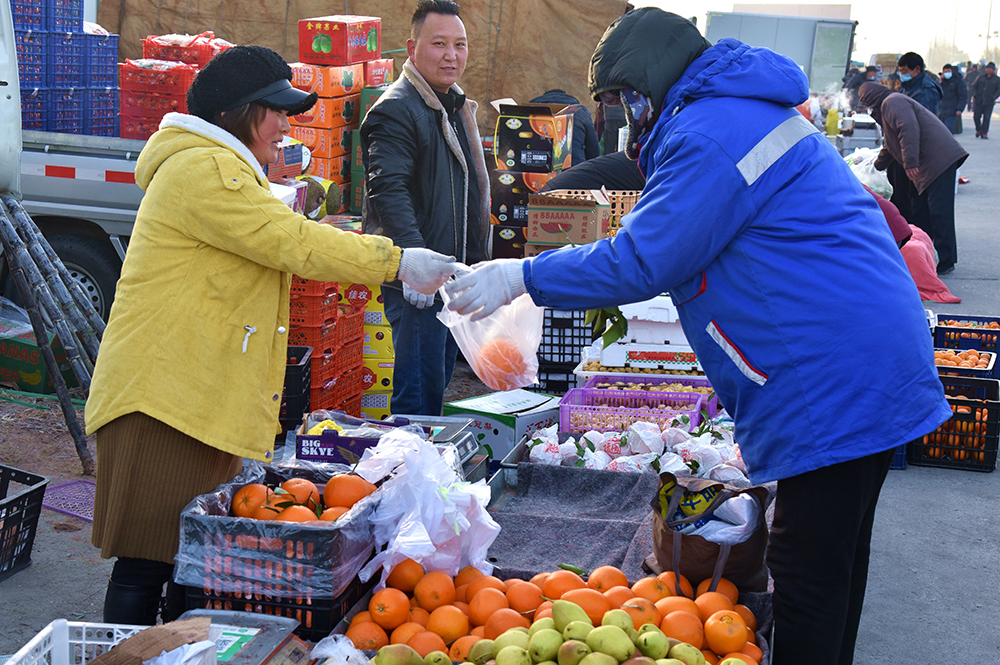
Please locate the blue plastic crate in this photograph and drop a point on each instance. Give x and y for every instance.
(31, 57)
(980, 338)
(100, 68)
(899, 459)
(100, 114)
(34, 108)
(65, 110)
(64, 15)
(29, 14)
(65, 60)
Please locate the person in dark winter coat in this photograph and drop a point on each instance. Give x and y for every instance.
(955, 95)
(855, 81)
(766, 242)
(917, 83)
(984, 91)
(585, 144)
(971, 74)
(929, 155)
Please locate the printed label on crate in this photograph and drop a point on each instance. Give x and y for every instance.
(232, 640)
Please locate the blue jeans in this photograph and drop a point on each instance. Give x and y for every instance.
(425, 354)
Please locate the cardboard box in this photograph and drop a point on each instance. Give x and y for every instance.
(508, 242)
(337, 169)
(357, 159)
(533, 138)
(557, 218)
(339, 40)
(509, 191)
(289, 164)
(329, 113)
(499, 420)
(376, 375)
(378, 343)
(328, 81)
(368, 296)
(368, 97)
(21, 361)
(375, 404)
(323, 143)
(534, 249)
(378, 72)
(356, 199)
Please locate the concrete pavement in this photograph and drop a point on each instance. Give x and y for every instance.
(935, 566)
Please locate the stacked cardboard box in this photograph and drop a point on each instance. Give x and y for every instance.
(379, 357)
(335, 54)
(532, 143)
(380, 73)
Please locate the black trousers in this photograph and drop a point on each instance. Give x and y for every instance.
(981, 114)
(818, 556)
(900, 189)
(934, 212)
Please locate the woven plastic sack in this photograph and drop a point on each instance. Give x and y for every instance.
(862, 163)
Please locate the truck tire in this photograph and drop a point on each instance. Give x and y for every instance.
(92, 262)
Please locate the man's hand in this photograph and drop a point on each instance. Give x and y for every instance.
(490, 285)
(425, 270)
(416, 298)
(958, 113)
(913, 174)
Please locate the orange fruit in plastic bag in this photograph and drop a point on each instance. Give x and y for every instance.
(500, 363)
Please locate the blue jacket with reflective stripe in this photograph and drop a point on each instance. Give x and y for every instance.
(789, 285)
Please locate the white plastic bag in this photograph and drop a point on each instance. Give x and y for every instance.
(338, 650)
(862, 163)
(644, 437)
(734, 521)
(501, 348)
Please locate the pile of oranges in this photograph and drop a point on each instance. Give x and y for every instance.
(969, 358)
(432, 611)
(298, 499)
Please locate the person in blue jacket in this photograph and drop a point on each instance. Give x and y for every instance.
(789, 287)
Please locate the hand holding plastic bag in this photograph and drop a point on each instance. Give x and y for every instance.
(862, 163)
(502, 347)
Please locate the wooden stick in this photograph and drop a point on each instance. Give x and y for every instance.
(17, 254)
(14, 259)
(28, 229)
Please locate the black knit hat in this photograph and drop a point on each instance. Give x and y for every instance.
(991, 65)
(244, 74)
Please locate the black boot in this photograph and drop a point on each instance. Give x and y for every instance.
(134, 605)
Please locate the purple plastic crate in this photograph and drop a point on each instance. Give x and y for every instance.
(100, 114)
(710, 404)
(585, 409)
(64, 15)
(100, 69)
(34, 108)
(31, 57)
(65, 109)
(75, 497)
(29, 14)
(65, 60)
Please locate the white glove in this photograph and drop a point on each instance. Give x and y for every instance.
(490, 285)
(425, 270)
(416, 298)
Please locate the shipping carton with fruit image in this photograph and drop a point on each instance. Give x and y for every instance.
(508, 242)
(536, 138)
(378, 343)
(337, 169)
(324, 143)
(369, 96)
(558, 218)
(340, 40)
(21, 362)
(501, 419)
(329, 113)
(328, 81)
(364, 296)
(378, 72)
(289, 164)
(509, 191)
(376, 375)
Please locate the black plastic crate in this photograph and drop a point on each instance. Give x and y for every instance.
(969, 439)
(297, 370)
(554, 379)
(980, 338)
(100, 69)
(34, 108)
(31, 50)
(18, 517)
(64, 15)
(29, 14)
(564, 335)
(100, 114)
(64, 60)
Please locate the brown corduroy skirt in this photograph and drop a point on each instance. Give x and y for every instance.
(147, 472)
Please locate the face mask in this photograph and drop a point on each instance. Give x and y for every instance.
(871, 77)
(639, 114)
(947, 75)
(905, 77)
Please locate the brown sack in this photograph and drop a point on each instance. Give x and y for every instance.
(698, 559)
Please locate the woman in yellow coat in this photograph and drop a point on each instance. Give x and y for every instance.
(192, 363)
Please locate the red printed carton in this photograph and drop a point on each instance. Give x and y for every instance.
(340, 40)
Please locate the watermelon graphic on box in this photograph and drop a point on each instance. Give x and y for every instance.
(340, 40)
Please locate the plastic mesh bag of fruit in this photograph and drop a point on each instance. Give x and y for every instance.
(501, 348)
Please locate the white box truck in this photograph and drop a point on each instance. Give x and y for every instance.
(822, 47)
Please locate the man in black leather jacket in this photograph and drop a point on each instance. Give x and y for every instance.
(427, 186)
